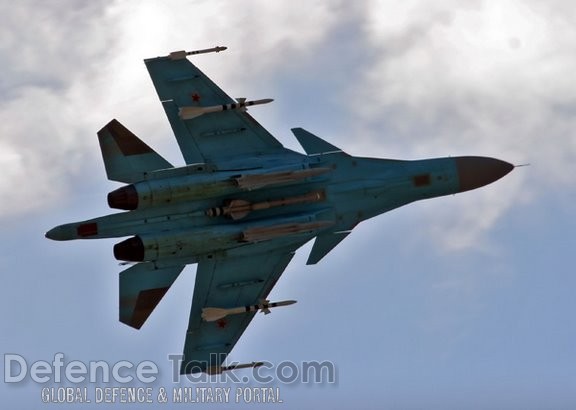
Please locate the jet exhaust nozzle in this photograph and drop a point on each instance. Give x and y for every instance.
(132, 250)
(124, 198)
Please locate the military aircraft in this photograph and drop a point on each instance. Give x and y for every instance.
(241, 207)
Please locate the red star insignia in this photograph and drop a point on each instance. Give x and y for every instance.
(195, 97)
(221, 323)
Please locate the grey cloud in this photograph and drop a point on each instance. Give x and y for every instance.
(491, 80)
(77, 66)
(49, 53)
(42, 44)
(394, 80)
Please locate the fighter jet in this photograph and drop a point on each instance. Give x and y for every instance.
(241, 207)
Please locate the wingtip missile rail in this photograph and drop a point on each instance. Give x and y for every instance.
(182, 54)
(220, 369)
(189, 112)
(211, 314)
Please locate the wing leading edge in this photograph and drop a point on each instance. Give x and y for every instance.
(213, 137)
(228, 282)
(229, 279)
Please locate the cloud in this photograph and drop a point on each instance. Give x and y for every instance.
(416, 79)
(493, 75)
(42, 44)
(46, 99)
(77, 66)
(488, 78)
(260, 34)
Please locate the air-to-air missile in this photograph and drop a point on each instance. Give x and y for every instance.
(180, 55)
(211, 314)
(187, 113)
(239, 208)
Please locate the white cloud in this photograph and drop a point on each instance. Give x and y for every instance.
(488, 78)
(46, 96)
(429, 79)
(78, 65)
(495, 77)
(260, 34)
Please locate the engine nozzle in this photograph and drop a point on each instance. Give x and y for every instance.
(132, 250)
(124, 198)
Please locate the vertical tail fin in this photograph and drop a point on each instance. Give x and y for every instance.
(126, 157)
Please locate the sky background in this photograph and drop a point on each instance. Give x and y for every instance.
(458, 302)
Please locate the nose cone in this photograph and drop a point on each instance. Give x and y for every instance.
(475, 172)
(60, 233)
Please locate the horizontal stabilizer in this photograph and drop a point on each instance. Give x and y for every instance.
(312, 144)
(126, 157)
(324, 244)
(142, 286)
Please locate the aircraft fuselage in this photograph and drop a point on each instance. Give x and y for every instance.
(181, 213)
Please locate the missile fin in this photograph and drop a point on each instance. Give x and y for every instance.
(187, 113)
(213, 314)
(238, 209)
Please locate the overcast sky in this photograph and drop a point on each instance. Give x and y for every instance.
(458, 302)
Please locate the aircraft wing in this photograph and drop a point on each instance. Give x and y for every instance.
(212, 137)
(228, 282)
